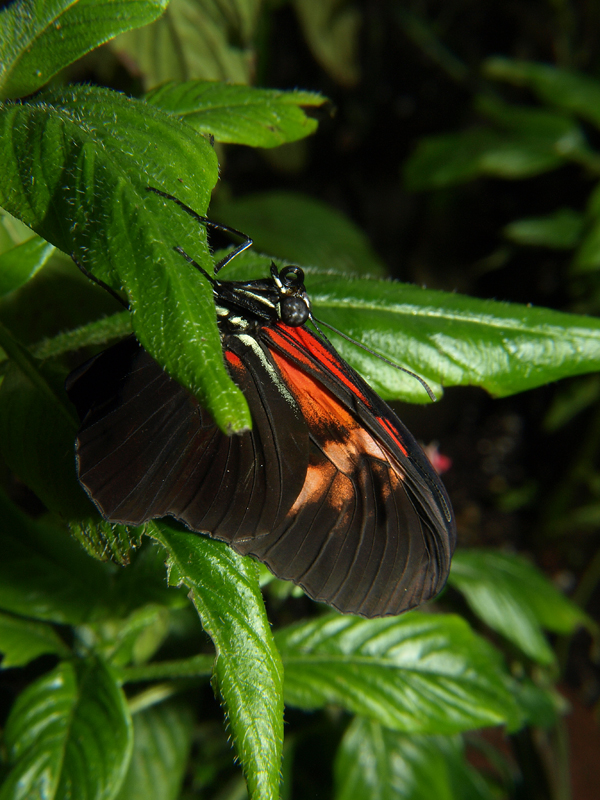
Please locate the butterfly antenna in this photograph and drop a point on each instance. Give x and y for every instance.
(423, 383)
(216, 226)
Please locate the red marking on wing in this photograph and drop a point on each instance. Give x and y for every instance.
(281, 335)
(386, 424)
(233, 359)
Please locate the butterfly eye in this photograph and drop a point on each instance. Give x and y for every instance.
(294, 311)
(291, 276)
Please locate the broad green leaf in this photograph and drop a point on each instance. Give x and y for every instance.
(40, 37)
(560, 230)
(21, 263)
(448, 339)
(515, 599)
(562, 88)
(46, 575)
(69, 734)
(239, 114)
(417, 673)
(78, 163)
(331, 29)
(203, 39)
(133, 640)
(451, 158)
(527, 142)
(162, 742)
(22, 640)
(248, 669)
(374, 763)
(301, 230)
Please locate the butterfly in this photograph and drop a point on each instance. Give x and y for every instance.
(329, 489)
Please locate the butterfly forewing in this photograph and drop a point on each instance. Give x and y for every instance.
(329, 489)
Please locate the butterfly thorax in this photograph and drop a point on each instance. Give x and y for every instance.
(243, 307)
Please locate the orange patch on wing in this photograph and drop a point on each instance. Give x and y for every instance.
(337, 432)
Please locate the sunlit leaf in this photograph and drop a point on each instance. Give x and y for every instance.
(80, 180)
(40, 37)
(248, 670)
(239, 114)
(416, 673)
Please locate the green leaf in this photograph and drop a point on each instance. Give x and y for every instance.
(565, 89)
(239, 114)
(417, 673)
(301, 230)
(331, 30)
(45, 574)
(449, 159)
(448, 339)
(40, 37)
(21, 263)
(560, 230)
(162, 742)
(22, 640)
(194, 39)
(69, 734)
(248, 669)
(78, 163)
(515, 599)
(529, 142)
(374, 763)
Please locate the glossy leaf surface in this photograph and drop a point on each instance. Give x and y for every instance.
(248, 669)
(416, 673)
(69, 734)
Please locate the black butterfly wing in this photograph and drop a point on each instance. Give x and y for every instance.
(329, 489)
(371, 531)
(146, 448)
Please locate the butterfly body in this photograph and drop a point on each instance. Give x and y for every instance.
(329, 489)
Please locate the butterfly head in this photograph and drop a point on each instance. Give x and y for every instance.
(294, 305)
